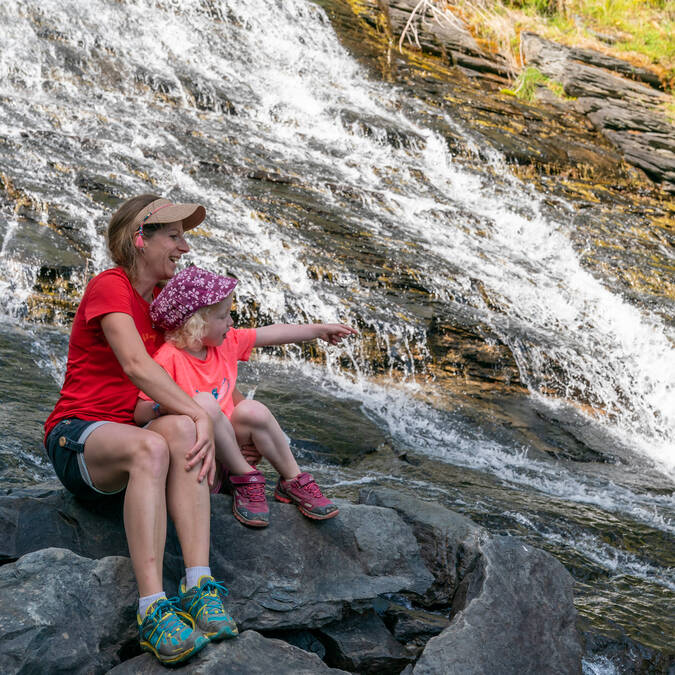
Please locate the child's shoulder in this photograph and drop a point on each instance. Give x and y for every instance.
(167, 351)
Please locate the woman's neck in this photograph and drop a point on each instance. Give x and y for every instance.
(143, 285)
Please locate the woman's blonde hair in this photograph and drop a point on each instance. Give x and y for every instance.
(121, 233)
(191, 334)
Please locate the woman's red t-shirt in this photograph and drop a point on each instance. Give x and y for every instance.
(96, 387)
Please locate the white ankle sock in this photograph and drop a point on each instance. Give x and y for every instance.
(146, 601)
(192, 575)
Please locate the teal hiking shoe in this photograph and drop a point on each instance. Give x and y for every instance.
(169, 634)
(203, 603)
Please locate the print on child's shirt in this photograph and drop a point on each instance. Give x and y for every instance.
(219, 393)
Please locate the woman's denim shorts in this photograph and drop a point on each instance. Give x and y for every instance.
(65, 447)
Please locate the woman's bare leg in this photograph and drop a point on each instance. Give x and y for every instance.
(117, 455)
(255, 425)
(188, 500)
(227, 448)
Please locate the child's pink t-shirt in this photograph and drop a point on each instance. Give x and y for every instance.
(217, 373)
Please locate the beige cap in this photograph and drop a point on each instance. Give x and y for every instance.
(164, 211)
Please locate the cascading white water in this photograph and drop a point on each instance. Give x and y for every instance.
(75, 75)
(141, 92)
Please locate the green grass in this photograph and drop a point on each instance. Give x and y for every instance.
(525, 87)
(643, 27)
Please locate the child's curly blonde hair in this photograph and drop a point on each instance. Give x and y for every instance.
(191, 334)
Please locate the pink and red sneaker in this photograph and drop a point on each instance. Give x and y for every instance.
(249, 504)
(306, 495)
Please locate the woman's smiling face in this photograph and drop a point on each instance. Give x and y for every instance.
(163, 250)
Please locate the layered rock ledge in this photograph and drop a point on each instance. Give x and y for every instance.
(393, 583)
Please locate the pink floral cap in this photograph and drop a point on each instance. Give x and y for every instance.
(185, 293)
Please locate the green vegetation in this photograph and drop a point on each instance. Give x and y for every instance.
(529, 79)
(640, 31)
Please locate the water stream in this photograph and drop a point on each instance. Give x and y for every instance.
(255, 110)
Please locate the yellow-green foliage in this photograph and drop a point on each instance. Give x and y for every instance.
(529, 79)
(642, 31)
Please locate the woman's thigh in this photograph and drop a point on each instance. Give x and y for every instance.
(112, 450)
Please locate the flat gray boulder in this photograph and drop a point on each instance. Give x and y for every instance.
(61, 613)
(512, 604)
(294, 573)
(249, 654)
(513, 614)
(302, 573)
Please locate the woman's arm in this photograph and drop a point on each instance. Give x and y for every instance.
(285, 333)
(120, 332)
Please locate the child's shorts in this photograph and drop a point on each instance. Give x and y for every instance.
(65, 447)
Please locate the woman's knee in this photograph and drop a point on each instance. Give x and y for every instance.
(151, 455)
(209, 403)
(178, 430)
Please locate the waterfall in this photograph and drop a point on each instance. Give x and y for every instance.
(147, 91)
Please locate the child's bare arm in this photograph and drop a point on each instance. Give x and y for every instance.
(285, 333)
(144, 412)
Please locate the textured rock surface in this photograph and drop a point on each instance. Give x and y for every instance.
(513, 614)
(512, 605)
(61, 613)
(625, 110)
(249, 654)
(295, 573)
(363, 644)
(299, 572)
(448, 541)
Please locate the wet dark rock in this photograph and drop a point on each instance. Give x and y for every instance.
(363, 644)
(321, 429)
(102, 189)
(371, 125)
(208, 96)
(412, 627)
(249, 654)
(61, 613)
(614, 649)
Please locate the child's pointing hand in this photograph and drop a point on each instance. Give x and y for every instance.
(334, 333)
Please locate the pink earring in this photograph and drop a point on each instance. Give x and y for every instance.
(138, 241)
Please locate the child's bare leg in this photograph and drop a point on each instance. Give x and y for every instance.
(254, 424)
(227, 448)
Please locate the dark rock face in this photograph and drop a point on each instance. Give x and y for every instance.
(448, 541)
(303, 573)
(296, 573)
(60, 613)
(249, 654)
(363, 644)
(513, 614)
(512, 605)
(625, 110)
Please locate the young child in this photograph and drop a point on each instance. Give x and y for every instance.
(201, 353)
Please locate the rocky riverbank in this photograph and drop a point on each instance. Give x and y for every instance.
(392, 584)
(623, 103)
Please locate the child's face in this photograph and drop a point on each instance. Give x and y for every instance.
(220, 322)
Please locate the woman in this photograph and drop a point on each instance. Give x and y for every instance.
(165, 466)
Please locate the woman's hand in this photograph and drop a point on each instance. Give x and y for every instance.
(204, 449)
(334, 333)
